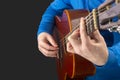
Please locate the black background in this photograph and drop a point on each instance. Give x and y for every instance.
(19, 55)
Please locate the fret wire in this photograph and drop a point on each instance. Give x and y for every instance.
(87, 22)
(87, 28)
(87, 18)
(91, 29)
(106, 26)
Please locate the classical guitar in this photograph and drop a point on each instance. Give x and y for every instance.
(69, 65)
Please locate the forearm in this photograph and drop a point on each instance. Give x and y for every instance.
(47, 22)
(113, 63)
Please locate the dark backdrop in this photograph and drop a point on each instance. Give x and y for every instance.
(19, 55)
(44, 67)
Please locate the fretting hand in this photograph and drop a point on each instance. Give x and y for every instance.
(93, 49)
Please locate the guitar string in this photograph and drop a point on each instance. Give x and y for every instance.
(87, 19)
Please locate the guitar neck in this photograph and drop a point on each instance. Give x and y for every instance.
(94, 20)
(91, 22)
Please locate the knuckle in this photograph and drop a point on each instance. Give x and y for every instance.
(39, 48)
(46, 54)
(69, 38)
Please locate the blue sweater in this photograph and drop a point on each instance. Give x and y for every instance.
(111, 70)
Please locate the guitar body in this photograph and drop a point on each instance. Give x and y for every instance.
(69, 65)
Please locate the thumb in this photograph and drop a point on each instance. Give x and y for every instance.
(70, 48)
(51, 41)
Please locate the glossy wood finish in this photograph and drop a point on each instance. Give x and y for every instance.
(69, 65)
